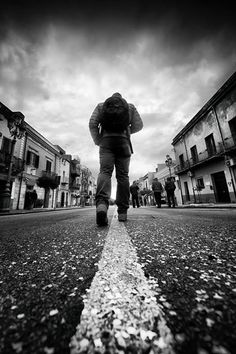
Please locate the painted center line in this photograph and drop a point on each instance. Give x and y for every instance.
(120, 308)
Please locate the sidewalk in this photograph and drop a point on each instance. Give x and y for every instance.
(210, 205)
(205, 205)
(40, 210)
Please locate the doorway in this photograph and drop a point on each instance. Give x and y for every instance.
(220, 187)
(62, 199)
(187, 195)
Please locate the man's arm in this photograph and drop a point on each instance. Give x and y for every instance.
(94, 125)
(136, 123)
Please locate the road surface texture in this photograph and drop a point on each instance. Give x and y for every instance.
(163, 282)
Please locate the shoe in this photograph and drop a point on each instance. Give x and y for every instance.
(101, 214)
(122, 217)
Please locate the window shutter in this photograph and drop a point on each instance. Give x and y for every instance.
(28, 157)
(37, 161)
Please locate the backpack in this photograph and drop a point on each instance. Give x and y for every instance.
(115, 114)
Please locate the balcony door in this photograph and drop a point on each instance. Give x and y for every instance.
(232, 126)
(210, 145)
(194, 154)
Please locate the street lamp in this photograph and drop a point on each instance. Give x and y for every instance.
(17, 131)
(168, 163)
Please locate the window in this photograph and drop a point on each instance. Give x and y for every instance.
(181, 160)
(6, 145)
(194, 154)
(200, 183)
(232, 126)
(48, 166)
(32, 159)
(210, 145)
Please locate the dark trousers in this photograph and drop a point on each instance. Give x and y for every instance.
(109, 160)
(170, 198)
(135, 200)
(157, 196)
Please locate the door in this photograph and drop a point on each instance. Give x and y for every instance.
(220, 187)
(62, 199)
(187, 196)
(46, 197)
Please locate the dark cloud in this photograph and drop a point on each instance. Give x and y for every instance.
(185, 20)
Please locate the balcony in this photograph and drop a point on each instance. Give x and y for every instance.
(201, 158)
(230, 143)
(75, 170)
(17, 164)
(75, 186)
(65, 180)
(48, 174)
(48, 179)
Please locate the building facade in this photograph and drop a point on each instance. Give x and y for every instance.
(205, 150)
(6, 143)
(42, 174)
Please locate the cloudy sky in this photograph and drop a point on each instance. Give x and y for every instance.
(59, 59)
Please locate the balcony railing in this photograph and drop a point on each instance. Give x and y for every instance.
(220, 149)
(75, 170)
(17, 164)
(230, 142)
(75, 186)
(48, 174)
(65, 180)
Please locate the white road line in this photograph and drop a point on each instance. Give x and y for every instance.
(120, 307)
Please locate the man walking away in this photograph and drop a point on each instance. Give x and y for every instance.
(134, 194)
(157, 190)
(111, 124)
(170, 192)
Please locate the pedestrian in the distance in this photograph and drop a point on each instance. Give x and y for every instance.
(170, 192)
(134, 188)
(111, 124)
(34, 197)
(157, 190)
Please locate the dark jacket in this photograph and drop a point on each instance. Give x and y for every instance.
(134, 189)
(98, 134)
(170, 186)
(157, 186)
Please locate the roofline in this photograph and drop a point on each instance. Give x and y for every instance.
(41, 139)
(207, 106)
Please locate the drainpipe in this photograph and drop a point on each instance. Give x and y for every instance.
(223, 143)
(21, 177)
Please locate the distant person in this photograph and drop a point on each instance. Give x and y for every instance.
(134, 189)
(34, 197)
(111, 124)
(145, 200)
(170, 192)
(157, 190)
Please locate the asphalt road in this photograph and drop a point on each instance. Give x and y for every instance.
(48, 260)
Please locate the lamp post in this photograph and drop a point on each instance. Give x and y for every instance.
(17, 131)
(168, 163)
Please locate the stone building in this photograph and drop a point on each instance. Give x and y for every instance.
(205, 150)
(42, 174)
